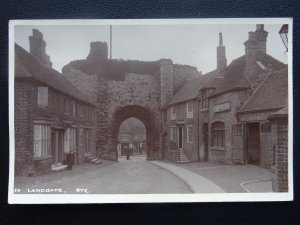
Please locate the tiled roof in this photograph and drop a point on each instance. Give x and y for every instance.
(233, 76)
(272, 94)
(191, 89)
(27, 66)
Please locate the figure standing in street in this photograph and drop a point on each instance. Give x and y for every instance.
(70, 160)
(127, 152)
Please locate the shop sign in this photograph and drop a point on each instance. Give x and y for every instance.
(222, 107)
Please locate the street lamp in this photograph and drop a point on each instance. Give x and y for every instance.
(284, 35)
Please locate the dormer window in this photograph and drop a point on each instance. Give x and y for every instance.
(189, 109)
(173, 112)
(42, 96)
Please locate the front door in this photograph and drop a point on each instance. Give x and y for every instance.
(57, 147)
(253, 146)
(180, 137)
(238, 154)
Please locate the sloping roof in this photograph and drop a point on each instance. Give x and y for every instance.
(27, 66)
(272, 94)
(232, 78)
(191, 89)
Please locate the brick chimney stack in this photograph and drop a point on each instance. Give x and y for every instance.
(38, 47)
(255, 48)
(221, 55)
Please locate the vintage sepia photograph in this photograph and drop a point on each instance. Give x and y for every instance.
(183, 110)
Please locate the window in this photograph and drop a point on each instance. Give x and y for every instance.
(218, 134)
(204, 99)
(70, 140)
(43, 96)
(173, 112)
(173, 133)
(41, 140)
(190, 134)
(189, 109)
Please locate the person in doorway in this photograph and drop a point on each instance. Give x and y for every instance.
(127, 152)
(70, 160)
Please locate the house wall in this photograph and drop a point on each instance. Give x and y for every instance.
(191, 149)
(58, 114)
(23, 129)
(228, 117)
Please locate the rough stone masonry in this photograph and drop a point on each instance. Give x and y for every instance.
(123, 89)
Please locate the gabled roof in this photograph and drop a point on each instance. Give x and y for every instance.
(272, 93)
(191, 89)
(27, 66)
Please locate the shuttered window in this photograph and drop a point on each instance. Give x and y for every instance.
(41, 140)
(43, 96)
(70, 140)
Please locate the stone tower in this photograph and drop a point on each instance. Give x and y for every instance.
(38, 47)
(98, 51)
(255, 48)
(221, 55)
(166, 81)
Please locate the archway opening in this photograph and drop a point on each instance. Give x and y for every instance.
(146, 117)
(132, 142)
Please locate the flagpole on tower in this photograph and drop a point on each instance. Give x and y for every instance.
(110, 43)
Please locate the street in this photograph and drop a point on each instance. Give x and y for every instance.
(135, 176)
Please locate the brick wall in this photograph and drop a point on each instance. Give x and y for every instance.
(280, 174)
(23, 129)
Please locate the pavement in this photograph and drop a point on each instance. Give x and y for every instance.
(138, 176)
(231, 178)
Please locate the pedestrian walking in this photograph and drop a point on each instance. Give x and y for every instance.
(127, 152)
(70, 160)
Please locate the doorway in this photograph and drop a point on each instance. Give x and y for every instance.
(57, 147)
(253, 144)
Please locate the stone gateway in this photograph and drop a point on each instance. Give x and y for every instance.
(123, 89)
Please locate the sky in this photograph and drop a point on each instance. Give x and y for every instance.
(193, 45)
